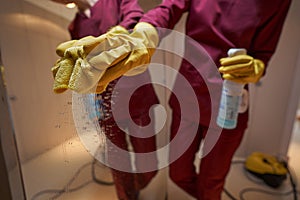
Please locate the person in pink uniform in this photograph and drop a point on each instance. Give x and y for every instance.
(96, 18)
(217, 25)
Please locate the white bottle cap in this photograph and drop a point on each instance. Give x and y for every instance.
(236, 51)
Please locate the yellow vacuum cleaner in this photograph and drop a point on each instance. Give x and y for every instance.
(268, 168)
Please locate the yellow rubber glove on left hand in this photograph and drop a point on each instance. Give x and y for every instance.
(92, 62)
(242, 69)
(73, 71)
(132, 54)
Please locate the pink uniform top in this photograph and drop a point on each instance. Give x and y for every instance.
(222, 24)
(218, 25)
(104, 15)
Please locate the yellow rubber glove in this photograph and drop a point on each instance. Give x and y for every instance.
(73, 71)
(92, 62)
(130, 54)
(242, 69)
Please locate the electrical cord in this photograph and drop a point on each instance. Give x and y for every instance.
(95, 179)
(229, 194)
(241, 194)
(246, 190)
(67, 188)
(293, 183)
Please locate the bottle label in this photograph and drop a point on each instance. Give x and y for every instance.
(228, 111)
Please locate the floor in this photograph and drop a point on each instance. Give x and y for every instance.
(47, 174)
(238, 180)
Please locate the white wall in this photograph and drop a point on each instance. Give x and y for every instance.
(275, 101)
(28, 39)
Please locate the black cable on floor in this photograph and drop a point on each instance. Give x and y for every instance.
(67, 188)
(241, 194)
(293, 183)
(59, 192)
(99, 181)
(229, 194)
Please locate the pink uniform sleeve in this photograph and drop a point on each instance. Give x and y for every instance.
(131, 13)
(268, 32)
(167, 14)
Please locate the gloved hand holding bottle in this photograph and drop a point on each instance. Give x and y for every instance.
(238, 69)
(92, 62)
(242, 69)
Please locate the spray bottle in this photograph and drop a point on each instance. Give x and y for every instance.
(230, 98)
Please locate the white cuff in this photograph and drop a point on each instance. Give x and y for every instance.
(92, 2)
(87, 12)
